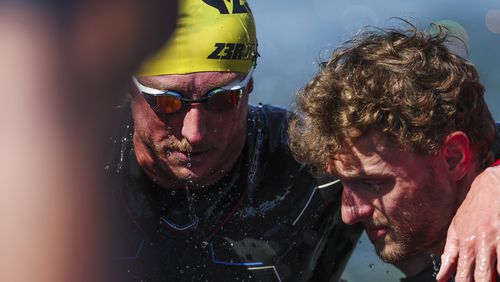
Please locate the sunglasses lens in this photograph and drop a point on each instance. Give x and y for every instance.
(224, 100)
(168, 104)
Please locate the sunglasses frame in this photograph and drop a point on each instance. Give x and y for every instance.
(150, 94)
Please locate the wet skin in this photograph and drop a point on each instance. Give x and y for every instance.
(194, 144)
(404, 200)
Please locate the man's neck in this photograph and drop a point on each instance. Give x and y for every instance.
(465, 183)
(415, 264)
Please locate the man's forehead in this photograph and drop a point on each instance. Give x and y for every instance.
(367, 145)
(190, 81)
(370, 153)
(355, 165)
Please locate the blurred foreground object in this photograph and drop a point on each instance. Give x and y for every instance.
(63, 65)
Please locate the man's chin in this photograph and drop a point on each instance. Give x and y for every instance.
(195, 176)
(186, 174)
(392, 253)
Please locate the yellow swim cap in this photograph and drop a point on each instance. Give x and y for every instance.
(211, 35)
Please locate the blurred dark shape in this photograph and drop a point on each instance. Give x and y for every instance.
(64, 64)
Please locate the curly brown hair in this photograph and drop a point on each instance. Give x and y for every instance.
(402, 83)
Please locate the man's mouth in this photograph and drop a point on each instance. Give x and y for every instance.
(186, 156)
(376, 232)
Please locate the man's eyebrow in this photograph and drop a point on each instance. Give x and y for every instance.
(362, 174)
(365, 178)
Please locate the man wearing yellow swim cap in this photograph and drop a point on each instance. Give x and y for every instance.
(208, 186)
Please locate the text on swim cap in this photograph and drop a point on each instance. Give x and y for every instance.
(233, 51)
(223, 9)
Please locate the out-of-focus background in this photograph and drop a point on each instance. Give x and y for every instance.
(294, 35)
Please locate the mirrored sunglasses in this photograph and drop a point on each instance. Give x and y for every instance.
(219, 99)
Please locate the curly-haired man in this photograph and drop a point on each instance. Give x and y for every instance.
(402, 122)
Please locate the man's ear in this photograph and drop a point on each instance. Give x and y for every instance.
(456, 152)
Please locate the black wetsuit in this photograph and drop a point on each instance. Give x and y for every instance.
(266, 220)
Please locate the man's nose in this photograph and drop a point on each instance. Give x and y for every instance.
(193, 126)
(354, 207)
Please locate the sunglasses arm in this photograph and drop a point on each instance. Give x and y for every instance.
(240, 84)
(147, 90)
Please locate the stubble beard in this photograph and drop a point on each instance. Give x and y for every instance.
(419, 228)
(398, 250)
